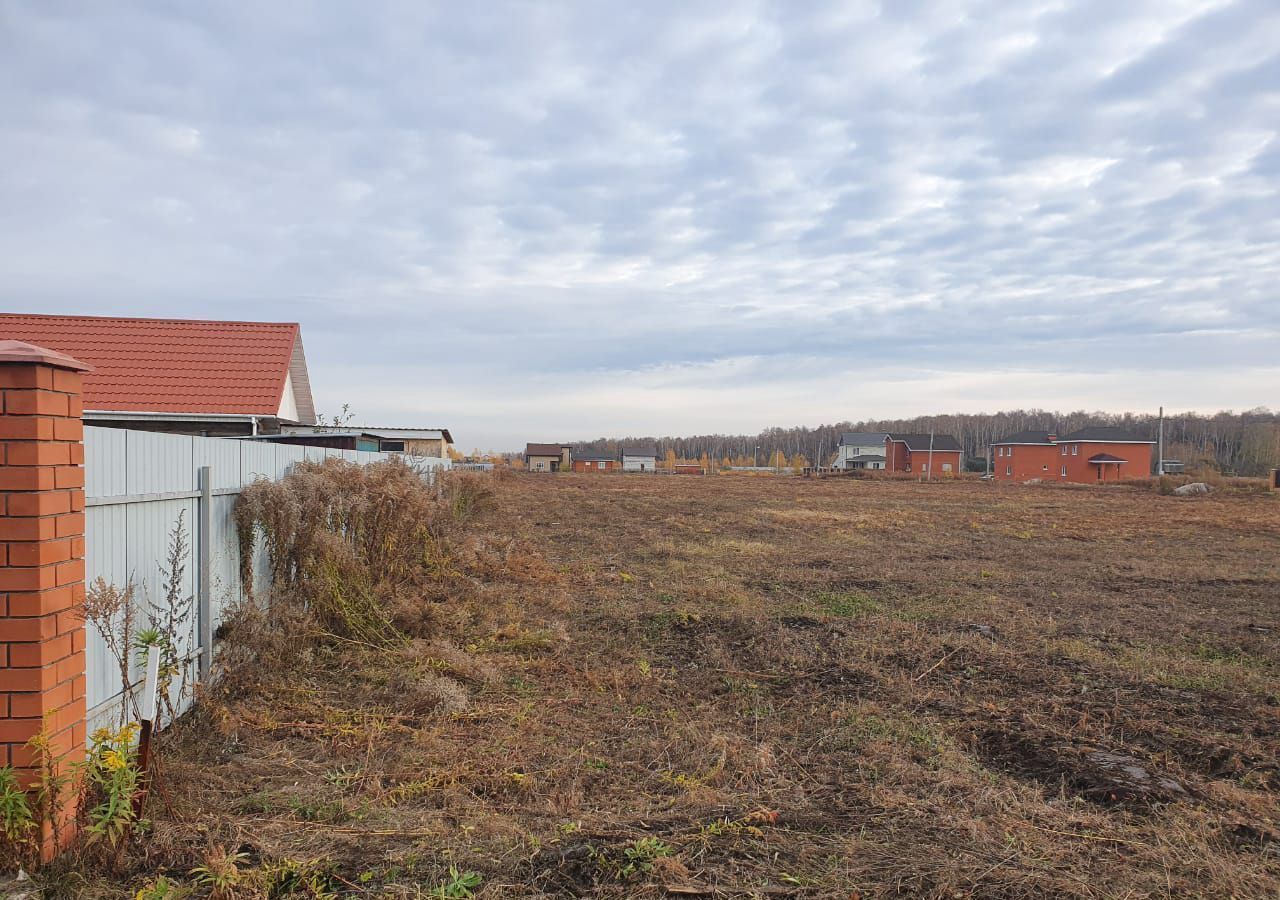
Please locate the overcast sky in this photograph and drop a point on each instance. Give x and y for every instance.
(552, 221)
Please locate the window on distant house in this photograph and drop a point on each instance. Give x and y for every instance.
(1075, 449)
(392, 446)
(1011, 451)
(1008, 470)
(1064, 471)
(1064, 449)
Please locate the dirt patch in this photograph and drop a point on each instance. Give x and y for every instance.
(1098, 775)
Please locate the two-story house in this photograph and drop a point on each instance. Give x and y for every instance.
(861, 450)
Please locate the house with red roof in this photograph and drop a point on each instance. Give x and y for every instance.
(181, 376)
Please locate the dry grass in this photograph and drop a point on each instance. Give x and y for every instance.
(776, 687)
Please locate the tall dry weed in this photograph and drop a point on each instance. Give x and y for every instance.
(355, 547)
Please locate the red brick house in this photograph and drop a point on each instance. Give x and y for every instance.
(596, 464)
(912, 453)
(1087, 456)
(1025, 456)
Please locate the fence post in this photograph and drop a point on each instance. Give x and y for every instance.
(42, 639)
(204, 555)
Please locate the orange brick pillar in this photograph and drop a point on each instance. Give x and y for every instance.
(42, 669)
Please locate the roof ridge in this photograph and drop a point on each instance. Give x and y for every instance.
(157, 319)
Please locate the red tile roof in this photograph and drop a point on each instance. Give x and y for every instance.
(168, 365)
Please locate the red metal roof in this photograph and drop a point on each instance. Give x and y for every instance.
(168, 365)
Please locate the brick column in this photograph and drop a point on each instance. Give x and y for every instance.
(42, 669)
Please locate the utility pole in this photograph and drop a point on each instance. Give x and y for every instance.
(1160, 445)
(929, 467)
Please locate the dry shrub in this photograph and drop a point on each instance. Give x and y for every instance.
(359, 548)
(453, 660)
(257, 640)
(419, 691)
(467, 493)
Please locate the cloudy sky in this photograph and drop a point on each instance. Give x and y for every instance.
(547, 221)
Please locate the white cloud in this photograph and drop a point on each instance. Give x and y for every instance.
(668, 217)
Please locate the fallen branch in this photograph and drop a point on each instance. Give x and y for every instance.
(938, 663)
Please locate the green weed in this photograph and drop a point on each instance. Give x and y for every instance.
(17, 823)
(848, 604)
(460, 885)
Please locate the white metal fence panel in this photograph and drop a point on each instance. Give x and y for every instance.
(223, 459)
(224, 569)
(138, 486)
(105, 558)
(257, 460)
(158, 463)
(104, 467)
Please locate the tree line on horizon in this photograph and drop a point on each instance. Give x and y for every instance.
(1246, 443)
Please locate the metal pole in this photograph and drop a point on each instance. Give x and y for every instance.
(204, 565)
(1160, 450)
(929, 468)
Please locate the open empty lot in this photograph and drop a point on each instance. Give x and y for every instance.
(743, 687)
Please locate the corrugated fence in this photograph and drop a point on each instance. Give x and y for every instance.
(138, 486)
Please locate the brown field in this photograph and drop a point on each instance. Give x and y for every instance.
(765, 687)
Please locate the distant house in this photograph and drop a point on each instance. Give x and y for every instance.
(861, 450)
(1103, 453)
(410, 441)
(1025, 456)
(689, 468)
(180, 376)
(596, 464)
(914, 452)
(639, 459)
(547, 457)
(1087, 456)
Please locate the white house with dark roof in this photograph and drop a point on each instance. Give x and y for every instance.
(861, 450)
(639, 459)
